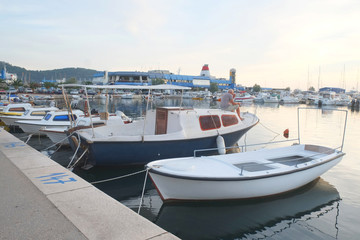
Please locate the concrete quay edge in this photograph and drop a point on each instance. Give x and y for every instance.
(95, 214)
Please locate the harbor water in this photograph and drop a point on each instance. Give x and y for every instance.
(327, 208)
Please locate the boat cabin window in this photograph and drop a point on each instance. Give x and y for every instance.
(26, 112)
(64, 118)
(47, 117)
(228, 120)
(17, 109)
(38, 113)
(209, 122)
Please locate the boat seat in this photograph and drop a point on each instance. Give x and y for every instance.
(291, 160)
(253, 166)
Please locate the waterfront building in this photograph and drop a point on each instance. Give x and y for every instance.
(146, 78)
(8, 77)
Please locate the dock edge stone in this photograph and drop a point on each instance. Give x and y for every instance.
(94, 213)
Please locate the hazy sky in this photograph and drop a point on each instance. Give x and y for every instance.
(274, 43)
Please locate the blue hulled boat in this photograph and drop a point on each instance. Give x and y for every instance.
(163, 133)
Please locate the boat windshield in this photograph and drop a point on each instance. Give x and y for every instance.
(64, 118)
(47, 116)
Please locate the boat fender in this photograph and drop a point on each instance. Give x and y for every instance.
(220, 145)
(286, 133)
(75, 141)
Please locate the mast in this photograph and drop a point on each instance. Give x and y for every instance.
(357, 80)
(308, 82)
(319, 79)
(344, 83)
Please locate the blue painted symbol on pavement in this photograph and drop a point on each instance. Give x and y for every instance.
(14, 144)
(56, 178)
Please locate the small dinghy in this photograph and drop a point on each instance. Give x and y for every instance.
(241, 175)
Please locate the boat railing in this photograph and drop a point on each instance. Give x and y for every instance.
(296, 160)
(298, 139)
(242, 147)
(332, 109)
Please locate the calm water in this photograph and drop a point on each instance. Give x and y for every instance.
(328, 208)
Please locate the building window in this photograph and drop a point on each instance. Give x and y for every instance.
(209, 122)
(228, 120)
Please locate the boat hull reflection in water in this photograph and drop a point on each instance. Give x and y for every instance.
(260, 218)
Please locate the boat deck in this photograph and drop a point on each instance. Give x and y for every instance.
(247, 164)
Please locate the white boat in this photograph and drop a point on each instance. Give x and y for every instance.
(241, 175)
(326, 98)
(15, 109)
(188, 95)
(162, 133)
(57, 133)
(343, 100)
(128, 95)
(33, 114)
(289, 100)
(244, 98)
(270, 99)
(260, 97)
(58, 118)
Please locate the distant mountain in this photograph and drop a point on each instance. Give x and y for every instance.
(37, 76)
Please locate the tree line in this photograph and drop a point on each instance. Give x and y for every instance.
(39, 75)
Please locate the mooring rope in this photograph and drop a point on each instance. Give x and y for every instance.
(28, 138)
(119, 177)
(143, 190)
(269, 129)
(77, 149)
(72, 167)
(57, 143)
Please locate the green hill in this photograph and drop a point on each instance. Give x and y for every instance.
(37, 76)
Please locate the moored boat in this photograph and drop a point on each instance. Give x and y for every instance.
(33, 114)
(15, 109)
(57, 133)
(241, 175)
(58, 118)
(270, 99)
(163, 133)
(244, 97)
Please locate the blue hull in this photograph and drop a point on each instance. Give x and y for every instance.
(140, 153)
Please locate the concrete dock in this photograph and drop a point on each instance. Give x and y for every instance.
(40, 199)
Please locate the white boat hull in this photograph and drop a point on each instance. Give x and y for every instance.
(8, 120)
(185, 189)
(56, 135)
(33, 128)
(183, 179)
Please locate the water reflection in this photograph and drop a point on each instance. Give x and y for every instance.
(252, 219)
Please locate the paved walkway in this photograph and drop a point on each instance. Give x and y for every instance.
(39, 199)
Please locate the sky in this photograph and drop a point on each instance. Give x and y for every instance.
(272, 43)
